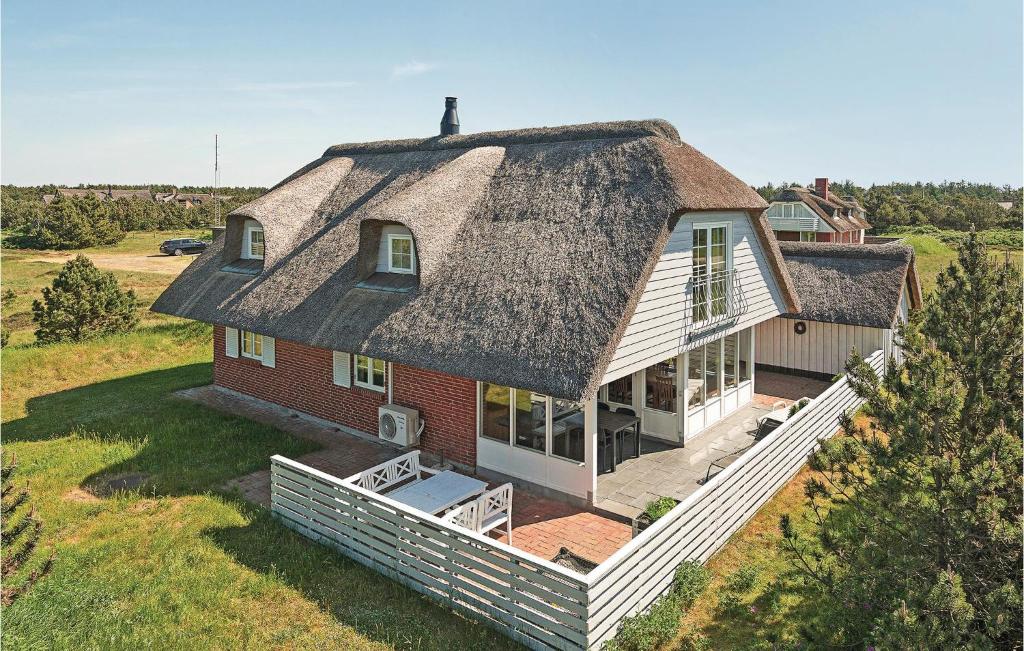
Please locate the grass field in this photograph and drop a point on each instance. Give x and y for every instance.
(933, 256)
(173, 563)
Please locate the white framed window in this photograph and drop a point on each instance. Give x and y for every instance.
(256, 246)
(252, 345)
(530, 421)
(370, 373)
(807, 236)
(401, 256)
(711, 269)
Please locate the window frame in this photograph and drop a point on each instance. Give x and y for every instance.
(812, 236)
(511, 443)
(392, 238)
(371, 371)
(247, 242)
(256, 342)
(709, 228)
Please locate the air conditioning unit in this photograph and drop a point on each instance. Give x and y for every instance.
(399, 425)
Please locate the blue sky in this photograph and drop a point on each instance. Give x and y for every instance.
(872, 91)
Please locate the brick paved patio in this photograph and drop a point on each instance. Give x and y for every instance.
(540, 525)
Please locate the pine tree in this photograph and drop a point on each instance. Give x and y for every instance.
(83, 302)
(19, 537)
(916, 519)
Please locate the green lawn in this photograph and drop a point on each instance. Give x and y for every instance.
(175, 563)
(933, 256)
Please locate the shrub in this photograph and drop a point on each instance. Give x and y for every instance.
(71, 223)
(83, 302)
(649, 630)
(5, 336)
(658, 625)
(798, 405)
(690, 582)
(659, 507)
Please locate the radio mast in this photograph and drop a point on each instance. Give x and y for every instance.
(216, 174)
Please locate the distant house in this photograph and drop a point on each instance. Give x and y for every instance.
(110, 194)
(797, 214)
(183, 199)
(188, 199)
(1005, 205)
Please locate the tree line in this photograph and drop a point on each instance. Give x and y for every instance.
(79, 222)
(951, 205)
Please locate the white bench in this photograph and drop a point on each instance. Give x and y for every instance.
(489, 511)
(385, 475)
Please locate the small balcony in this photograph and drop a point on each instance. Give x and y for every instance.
(713, 300)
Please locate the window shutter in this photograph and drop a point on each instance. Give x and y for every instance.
(231, 342)
(269, 358)
(342, 369)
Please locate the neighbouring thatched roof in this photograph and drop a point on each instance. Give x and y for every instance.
(840, 214)
(856, 284)
(532, 248)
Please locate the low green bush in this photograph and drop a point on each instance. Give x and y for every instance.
(798, 405)
(659, 507)
(654, 628)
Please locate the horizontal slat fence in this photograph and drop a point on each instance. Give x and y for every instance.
(538, 603)
(635, 576)
(532, 600)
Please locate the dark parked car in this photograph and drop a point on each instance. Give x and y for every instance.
(183, 246)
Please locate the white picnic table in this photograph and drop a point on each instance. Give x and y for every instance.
(439, 492)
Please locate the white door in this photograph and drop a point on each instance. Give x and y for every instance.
(660, 418)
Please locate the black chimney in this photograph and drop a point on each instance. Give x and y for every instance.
(450, 121)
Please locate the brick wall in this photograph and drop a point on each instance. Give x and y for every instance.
(303, 380)
(448, 405)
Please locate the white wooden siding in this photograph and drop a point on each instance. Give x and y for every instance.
(658, 327)
(824, 348)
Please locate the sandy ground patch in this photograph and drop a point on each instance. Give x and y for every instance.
(150, 263)
(80, 495)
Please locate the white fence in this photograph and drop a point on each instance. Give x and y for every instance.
(536, 602)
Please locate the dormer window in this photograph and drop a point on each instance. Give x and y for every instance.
(401, 258)
(252, 243)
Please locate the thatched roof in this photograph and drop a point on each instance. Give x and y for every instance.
(841, 214)
(856, 284)
(532, 248)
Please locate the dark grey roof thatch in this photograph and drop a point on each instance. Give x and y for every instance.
(856, 284)
(532, 247)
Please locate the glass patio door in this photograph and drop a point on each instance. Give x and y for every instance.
(660, 404)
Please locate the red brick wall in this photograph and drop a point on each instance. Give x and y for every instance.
(787, 236)
(825, 237)
(448, 405)
(303, 380)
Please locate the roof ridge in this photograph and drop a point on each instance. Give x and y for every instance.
(889, 251)
(657, 128)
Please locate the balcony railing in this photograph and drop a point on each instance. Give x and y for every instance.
(793, 223)
(713, 300)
